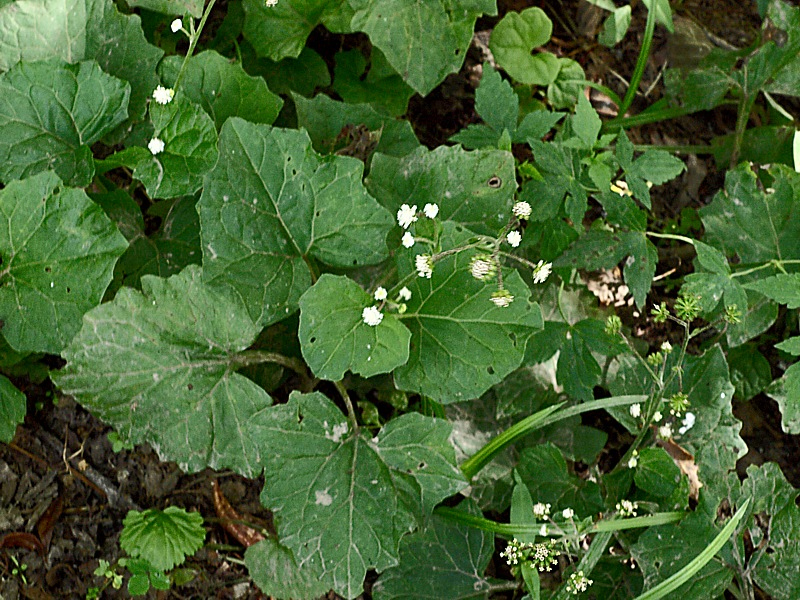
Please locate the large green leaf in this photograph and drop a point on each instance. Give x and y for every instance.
(783, 288)
(474, 188)
(275, 571)
(190, 150)
(461, 343)
(223, 88)
(77, 30)
(423, 41)
(58, 251)
(172, 7)
(342, 499)
(280, 31)
(12, 409)
(327, 122)
(50, 113)
(335, 338)
(515, 37)
(271, 203)
(446, 561)
(754, 224)
(158, 367)
(377, 84)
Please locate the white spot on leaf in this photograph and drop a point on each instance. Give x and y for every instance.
(323, 498)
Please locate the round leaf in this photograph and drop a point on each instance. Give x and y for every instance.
(512, 41)
(164, 538)
(334, 337)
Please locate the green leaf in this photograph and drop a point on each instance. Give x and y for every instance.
(475, 189)
(786, 392)
(496, 102)
(615, 27)
(270, 203)
(344, 499)
(657, 474)
(280, 31)
(12, 409)
(757, 226)
(446, 561)
(711, 259)
(171, 7)
(536, 125)
(77, 30)
(791, 345)
(335, 338)
(223, 88)
(326, 120)
(512, 41)
(563, 93)
(586, 122)
(750, 371)
(783, 288)
(274, 570)
(166, 251)
(158, 367)
(461, 343)
(423, 41)
(51, 113)
(190, 150)
(381, 86)
(58, 252)
(164, 538)
(544, 471)
(303, 74)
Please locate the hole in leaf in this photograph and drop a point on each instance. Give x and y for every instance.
(47, 269)
(494, 182)
(490, 370)
(2, 323)
(421, 465)
(355, 261)
(300, 417)
(312, 340)
(294, 172)
(68, 290)
(513, 337)
(316, 214)
(190, 387)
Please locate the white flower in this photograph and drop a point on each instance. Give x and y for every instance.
(633, 460)
(541, 510)
(567, 513)
(404, 294)
(482, 267)
(431, 210)
(688, 423)
(578, 582)
(543, 530)
(542, 271)
(666, 347)
(372, 316)
(271, 3)
(514, 238)
(163, 95)
(626, 508)
(406, 215)
(665, 431)
(176, 25)
(381, 294)
(408, 240)
(522, 210)
(657, 416)
(424, 265)
(636, 410)
(502, 299)
(155, 146)
(621, 188)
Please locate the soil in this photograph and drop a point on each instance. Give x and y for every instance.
(64, 492)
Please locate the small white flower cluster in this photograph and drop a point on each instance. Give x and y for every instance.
(539, 556)
(482, 267)
(522, 210)
(633, 461)
(626, 508)
(406, 215)
(156, 146)
(423, 263)
(665, 431)
(176, 25)
(407, 240)
(567, 513)
(541, 510)
(542, 271)
(578, 582)
(635, 410)
(502, 298)
(372, 315)
(687, 423)
(163, 95)
(271, 3)
(514, 238)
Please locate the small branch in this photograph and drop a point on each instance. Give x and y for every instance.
(351, 412)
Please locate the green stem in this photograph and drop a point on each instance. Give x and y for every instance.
(686, 149)
(351, 412)
(645, 118)
(255, 357)
(193, 39)
(589, 560)
(641, 62)
(742, 117)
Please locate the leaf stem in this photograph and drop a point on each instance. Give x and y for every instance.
(351, 412)
(641, 62)
(193, 39)
(255, 357)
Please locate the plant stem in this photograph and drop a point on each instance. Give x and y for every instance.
(255, 357)
(193, 39)
(742, 116)
(641, 62)
(687, 149)
(351, 412)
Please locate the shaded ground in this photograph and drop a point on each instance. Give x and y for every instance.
(64, 492)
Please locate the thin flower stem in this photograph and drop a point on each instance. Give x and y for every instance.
(351, 412)
(641, 62)
(193, 39)
(670, 236)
